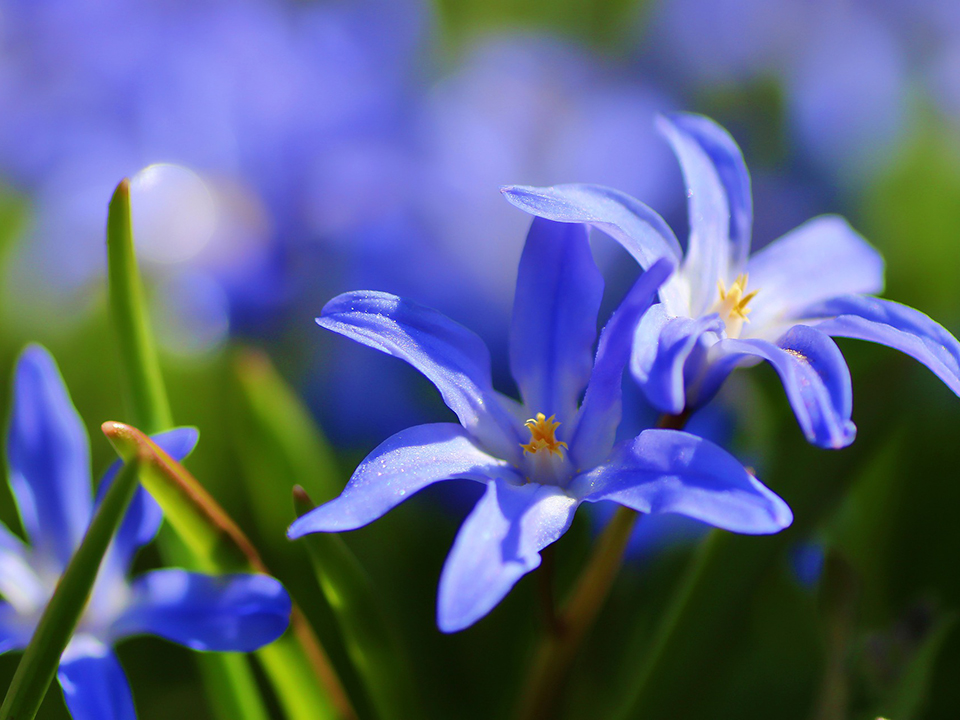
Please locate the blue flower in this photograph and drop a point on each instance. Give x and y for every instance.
(722, 310)
(540, 459)
(49, 463)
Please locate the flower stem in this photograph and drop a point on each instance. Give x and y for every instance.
(558, 649)
(545, 579)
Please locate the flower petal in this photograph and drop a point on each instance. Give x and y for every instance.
(499, 543)
(453, 358)
(894, 325)
(93, 683)
(821, 259)
(662, 348)
(143, 517)
(731, 171)
(17, 628)
(814, 375)
(49, 458)
(672, 471)
(559, 289)
(640, 230)
(596, 426)
(227, 613)
(399, 467)
(709, 251)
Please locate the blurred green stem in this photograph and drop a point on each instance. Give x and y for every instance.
(372, 642)
(42, 656)
(838, 609)
(677, 608)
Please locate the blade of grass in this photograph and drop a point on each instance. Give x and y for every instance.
(283, 441)
(150, 407)
(42, 656)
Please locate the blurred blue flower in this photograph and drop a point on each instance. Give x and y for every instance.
(843, 69)
(534, 479)
(279, 107)
(48, 458)
(806, 562)
(803, 289)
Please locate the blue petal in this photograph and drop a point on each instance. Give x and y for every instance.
(143, 518)
(821, 259)
(49, 458)
(19, 582)
(227, 613)
(671, 471)
(453, 358)
(16, 629)
(709, 252)
(894, 325)
(731, 171)
(640, 230)
(399, 467)
(499, 543)
(596, 426)
(662, 348)
(814, 375)
(93, 683)
(559, 289)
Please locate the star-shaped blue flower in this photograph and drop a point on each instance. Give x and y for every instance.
(540, 459)
(723, 309)
(49, 461)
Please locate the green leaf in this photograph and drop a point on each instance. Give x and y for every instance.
(146, 392)
(373, 644)
(42, 656)
(306, 685)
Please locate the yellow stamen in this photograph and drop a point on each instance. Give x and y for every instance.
(542, 429)
(732, 305)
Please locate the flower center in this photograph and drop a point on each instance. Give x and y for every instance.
(542, 435)
(732, 305)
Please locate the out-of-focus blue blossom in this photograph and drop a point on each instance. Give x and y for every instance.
(270, 103)
(803, 288)
(806, 562)
(534, 479)
(48, 459)
(843, 67)
(534, 108)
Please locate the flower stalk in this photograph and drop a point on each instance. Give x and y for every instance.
(558, 648)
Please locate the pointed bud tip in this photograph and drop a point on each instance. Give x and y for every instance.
(301, 501)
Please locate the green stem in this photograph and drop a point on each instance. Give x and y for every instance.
(42, 656)
(145, 388)
(557, 650)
